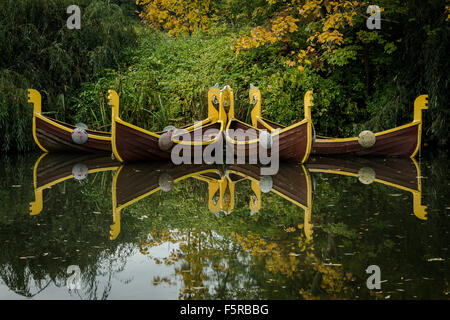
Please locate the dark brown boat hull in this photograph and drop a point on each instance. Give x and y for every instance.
(55, 139)
(57, 166)
(291, 180)
(397, 143)
(140, 178)
(293, 144)
(134, 145)
(398, 171)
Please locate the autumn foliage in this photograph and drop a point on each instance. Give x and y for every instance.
(176, 16)
(324, 21)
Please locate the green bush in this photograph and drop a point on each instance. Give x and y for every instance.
(169, 77)
(39, 51)
(368, 83)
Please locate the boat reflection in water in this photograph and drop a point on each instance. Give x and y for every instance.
(400, 173)
(133, 182)
(51, 169)
(263, 230)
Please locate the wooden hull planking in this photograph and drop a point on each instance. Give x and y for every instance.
(291, 181)
(293, 143)
(397, 142)
(137, 145)
(140, 179)
(402, 172)
(59, 138)
(59, 166)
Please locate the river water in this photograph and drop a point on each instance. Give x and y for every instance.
(84, 227)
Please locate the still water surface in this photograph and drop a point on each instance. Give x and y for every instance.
(157, 231)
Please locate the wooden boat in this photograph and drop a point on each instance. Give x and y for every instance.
(53, 168)
(132, 143)
(400, 141)
(55, 136)
(400, 173)
(292, 182)
(292, 143)
(136, 181)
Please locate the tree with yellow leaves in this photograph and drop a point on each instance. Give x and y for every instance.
(176, 16)
(323, 20)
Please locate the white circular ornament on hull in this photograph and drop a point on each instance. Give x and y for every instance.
(265, 140)
(265, 184)
(81, 125)
(169, 129)
(367, 139)
(79, 135)
(80, 171)
(366, 175)
(165, 141)
(165, 182)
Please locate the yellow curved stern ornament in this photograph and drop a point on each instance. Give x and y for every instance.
(115, 227)
(420, 211)
(37, 205)
(255, 98)
(35, 98)
(421, 103)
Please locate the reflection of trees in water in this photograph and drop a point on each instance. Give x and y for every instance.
(108, 266)
(28, 279)
(246, 257)
(296, 265)
(355, 226)
(266, 262)
(72, 229)
(208, 265)
(375, 224)
(22, 283)
(213, 267)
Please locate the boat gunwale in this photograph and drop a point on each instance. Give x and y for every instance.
(65, 126)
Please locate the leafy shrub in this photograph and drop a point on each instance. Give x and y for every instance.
(39, 51)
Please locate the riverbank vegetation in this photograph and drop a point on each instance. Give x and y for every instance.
(162, 56)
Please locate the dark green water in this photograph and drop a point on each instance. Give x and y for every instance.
(171, 246)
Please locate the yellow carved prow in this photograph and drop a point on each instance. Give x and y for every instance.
(113, 101)
(115, 227)
(308, 103)
(420, 211)
(36, 206)
(255, 199)
(226, 101)
(213, 97)
(255, 98)
(421, 103)
(35, 98)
